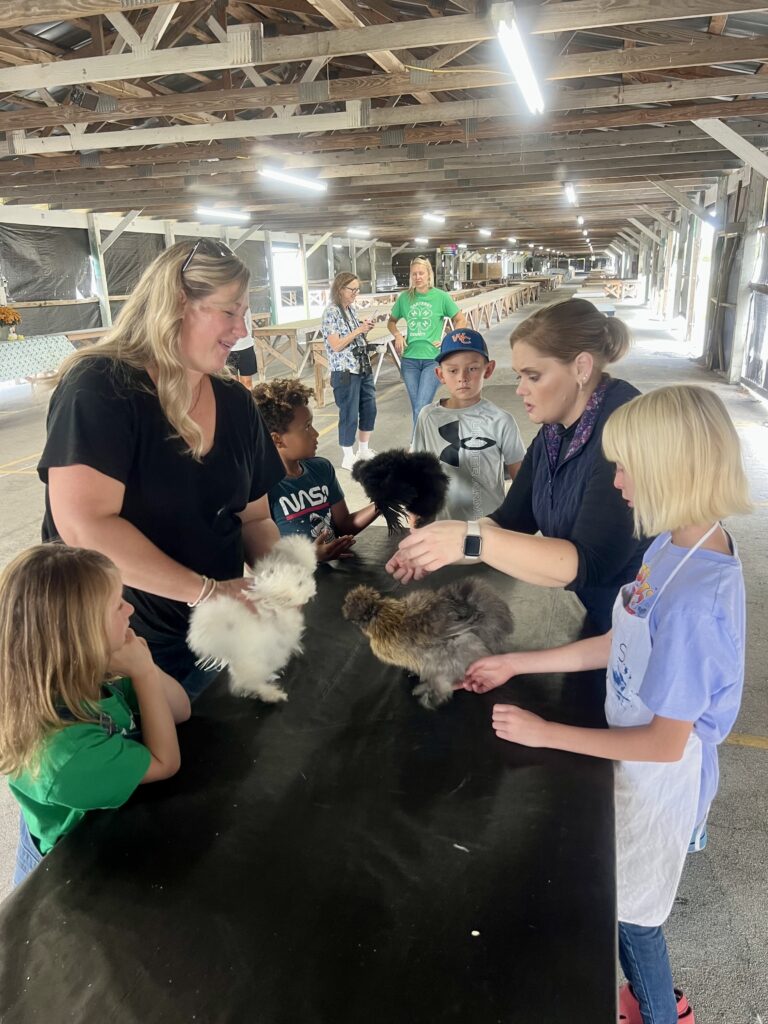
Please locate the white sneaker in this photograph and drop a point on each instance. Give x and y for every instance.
(369, 453)
(348, 461)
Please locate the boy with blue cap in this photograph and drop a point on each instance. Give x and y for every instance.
(475, 441)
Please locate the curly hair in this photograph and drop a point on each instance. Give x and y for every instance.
(277, 401)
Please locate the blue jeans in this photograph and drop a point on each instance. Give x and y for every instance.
(420, 381)
(355, 395)
(174, 657)
(645, 962)
(27, 854)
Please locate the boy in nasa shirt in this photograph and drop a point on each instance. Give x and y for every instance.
(308, 500)
(476, 442)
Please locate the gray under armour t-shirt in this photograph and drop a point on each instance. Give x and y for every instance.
(473, 445)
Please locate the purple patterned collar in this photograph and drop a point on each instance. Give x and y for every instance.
(553, 432)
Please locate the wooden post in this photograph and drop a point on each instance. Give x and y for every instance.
(168, 234)
(754, 216)
(99, 271)
(274, 296)
(372, 260)
(353, 255)
(304, 274)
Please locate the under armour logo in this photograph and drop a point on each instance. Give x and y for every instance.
(450, 432)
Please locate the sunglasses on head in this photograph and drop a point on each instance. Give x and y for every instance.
(209, 247)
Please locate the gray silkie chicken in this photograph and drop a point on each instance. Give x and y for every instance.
(434, 634)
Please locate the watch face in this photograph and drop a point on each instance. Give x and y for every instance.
(472, 546)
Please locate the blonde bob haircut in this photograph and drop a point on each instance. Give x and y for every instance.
(54, 646)
(681, 450)
(147, 332)
(421, 261)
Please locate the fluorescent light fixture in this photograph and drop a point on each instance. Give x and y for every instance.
(541, 247)
(421, 241)
(531, 245)
(712, 213)
(485, 232)
(293, 179)
(512, 240)
(435, 218)
(207, 211)
(570, 192)
(511, 42)
(585, 233)
(337, 245)
(579, 220)
(359, 232)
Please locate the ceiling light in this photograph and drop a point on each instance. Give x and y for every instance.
(570, 192)
(421, 241)
(337, 245)
(434, 217)
(462, 245)
(585, 233)
(485, 232)
(293, 179)
(207, 211)
(359, 232)
(712, 213)
(512, 240)
(531, 245)
(541, 247)
(511, 42)
(579, 220)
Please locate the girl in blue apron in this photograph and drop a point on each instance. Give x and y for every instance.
(675, 668)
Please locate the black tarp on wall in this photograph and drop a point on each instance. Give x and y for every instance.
(48, 263)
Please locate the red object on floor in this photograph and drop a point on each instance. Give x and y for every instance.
(629, 1008)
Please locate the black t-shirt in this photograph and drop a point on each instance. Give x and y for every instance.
(106, 415)
(602, 531)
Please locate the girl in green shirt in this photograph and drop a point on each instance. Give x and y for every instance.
(72, 676)
(425, 309)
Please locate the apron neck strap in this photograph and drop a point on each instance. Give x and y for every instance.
(686, 556)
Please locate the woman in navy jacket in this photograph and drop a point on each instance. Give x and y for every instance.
(564, 488)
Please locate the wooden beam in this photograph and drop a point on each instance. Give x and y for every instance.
(668, 224)
(645, 230)
(682, 199)
(158, 25)
(245, 237)
(99, 271)
(735, 143)
(557, 17)
(111, 238)
(321, 241)
(245, 47)
(584, 14)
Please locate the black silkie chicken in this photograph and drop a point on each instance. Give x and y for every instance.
(434, 634)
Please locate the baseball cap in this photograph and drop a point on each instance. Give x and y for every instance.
(463, 339)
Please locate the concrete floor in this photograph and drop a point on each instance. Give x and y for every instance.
(718, 931)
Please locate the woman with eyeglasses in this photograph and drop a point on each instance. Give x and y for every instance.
(425, 310)
(157, 458)
(346, 347)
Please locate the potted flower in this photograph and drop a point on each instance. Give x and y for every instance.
(9, 318)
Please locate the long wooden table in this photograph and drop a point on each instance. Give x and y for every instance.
(344, 857)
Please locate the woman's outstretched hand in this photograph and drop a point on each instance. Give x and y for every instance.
(402, 570)
(431, 547)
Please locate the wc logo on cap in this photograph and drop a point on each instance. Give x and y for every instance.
(463, 338)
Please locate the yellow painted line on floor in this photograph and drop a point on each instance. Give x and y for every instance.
(741, 739)
(25, 458)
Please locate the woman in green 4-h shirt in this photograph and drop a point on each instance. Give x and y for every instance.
(424, 308)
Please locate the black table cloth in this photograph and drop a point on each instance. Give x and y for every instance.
(346, 858)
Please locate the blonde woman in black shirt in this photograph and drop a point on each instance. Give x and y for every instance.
(158, 459)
